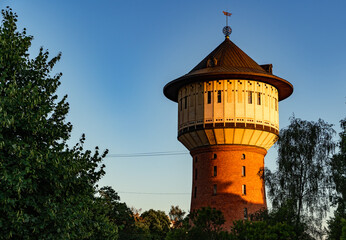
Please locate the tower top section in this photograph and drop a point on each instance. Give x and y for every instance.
(228, 61)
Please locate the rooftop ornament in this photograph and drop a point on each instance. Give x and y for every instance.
(227, 30)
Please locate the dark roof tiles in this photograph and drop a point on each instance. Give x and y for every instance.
(229, 58)
(228, 61)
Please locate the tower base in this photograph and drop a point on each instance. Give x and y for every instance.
(226, 177)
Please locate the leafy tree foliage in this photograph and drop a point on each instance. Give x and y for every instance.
(158, 223)
(141, 230)
(46, 188)
(208, 219)
(177, 216)
(118, 213)
(338, 167)
(303, 175)
(206, 224)
(262, 230)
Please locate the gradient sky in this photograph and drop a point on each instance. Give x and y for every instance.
(118, 55)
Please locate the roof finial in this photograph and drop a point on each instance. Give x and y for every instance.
(227, 30)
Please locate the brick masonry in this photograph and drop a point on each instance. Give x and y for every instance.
(229, 180)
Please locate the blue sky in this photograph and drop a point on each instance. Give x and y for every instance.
(118, 55)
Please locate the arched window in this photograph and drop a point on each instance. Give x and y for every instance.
(243, 156)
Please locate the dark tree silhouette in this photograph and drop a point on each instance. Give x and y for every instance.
(303, 177)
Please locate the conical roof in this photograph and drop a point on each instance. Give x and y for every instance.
(228, 61)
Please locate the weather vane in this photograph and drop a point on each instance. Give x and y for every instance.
(227, 30)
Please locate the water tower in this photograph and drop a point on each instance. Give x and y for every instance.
(228, 117)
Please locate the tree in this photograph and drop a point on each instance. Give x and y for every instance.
(46, 188)
(338, 168)
(118, 212)
(303, 175)
(261, 230)
(207, 223)
(176, 215)
(158, 223)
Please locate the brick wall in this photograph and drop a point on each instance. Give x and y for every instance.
(228, 162)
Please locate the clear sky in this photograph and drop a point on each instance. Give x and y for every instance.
(118, 55)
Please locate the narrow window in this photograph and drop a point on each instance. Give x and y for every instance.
(195, 173)
(215, 171)
(209, 97)
(240, 92)
(195, 192)
(276, 104)
(245, 213)
(250, 97)
(219, 96)
(259, 99)
(243, 156)
(244, 189)
(185, 101)
(215, 156)
(243, 171)
(181, 104)
(215, 189)
(230, 92)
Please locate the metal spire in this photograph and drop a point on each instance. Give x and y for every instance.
(227, 30)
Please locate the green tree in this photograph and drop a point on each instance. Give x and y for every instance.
(302, 179)
(46, 188)
(158, 223)
(177, 216)
(261, 230)
(338, 168)
(207, 223)
(118, 212)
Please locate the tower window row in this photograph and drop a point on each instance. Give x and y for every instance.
(215, 191)
(183, 101)
(243, 172)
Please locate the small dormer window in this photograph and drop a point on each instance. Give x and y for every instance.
(212, 62)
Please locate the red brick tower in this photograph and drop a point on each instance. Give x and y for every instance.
(228, 118)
